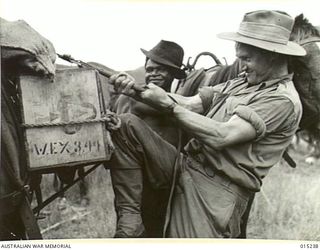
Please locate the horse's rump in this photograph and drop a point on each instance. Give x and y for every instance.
(307, 82)
(307, 73)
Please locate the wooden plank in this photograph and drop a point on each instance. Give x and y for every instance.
(72, 96)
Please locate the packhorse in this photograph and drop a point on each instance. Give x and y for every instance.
(23, 51)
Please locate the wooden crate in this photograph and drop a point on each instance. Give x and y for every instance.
(74, 100)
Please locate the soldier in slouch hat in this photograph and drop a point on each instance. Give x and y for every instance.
(240, 130)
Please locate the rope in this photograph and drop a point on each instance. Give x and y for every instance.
(173, 185)
(113, 122)
(48, 124)
(174, 181)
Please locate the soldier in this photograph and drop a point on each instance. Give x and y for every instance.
(163, 64)
(240, 130)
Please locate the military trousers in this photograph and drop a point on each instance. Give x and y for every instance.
(205, 204)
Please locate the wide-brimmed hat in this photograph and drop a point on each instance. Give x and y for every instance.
(169, 54)
(266, 29)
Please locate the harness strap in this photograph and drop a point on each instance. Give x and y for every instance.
(30, 223)
(173, 185)
(61, 191)
(9, 202)
(18, 201)
(38, 194)
(14, 178)
(289, 159)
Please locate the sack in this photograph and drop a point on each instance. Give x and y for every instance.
(18, 35)
(307, 82)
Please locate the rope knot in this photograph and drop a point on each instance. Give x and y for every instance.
(113, 122)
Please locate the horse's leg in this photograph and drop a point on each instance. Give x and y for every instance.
(83, 186)
(57, 186)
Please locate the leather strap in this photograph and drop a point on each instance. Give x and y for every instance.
(18, 201)
(173, 185)
(30, 223)
(10, 202)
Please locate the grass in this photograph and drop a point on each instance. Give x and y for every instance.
(288, 205)
(287, 208)
(97, 220)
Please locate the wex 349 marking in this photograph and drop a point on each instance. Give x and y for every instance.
(67, 147)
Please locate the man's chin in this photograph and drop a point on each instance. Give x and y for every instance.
(161, 84)
(158, 83)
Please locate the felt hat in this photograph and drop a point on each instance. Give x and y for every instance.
(169, 54)
(266, 29)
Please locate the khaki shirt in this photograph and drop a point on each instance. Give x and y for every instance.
(273, 108)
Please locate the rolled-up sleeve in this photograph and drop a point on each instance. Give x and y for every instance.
(268, 114)
(249, 115)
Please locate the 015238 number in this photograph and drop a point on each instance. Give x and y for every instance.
(309, 246)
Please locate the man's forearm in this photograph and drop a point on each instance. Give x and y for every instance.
(214, 134)
(206, 130)
(193, 103)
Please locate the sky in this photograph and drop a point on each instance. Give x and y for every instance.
(112, 32)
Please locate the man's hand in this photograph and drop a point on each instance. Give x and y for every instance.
(152, 94)
(156, 97)
(123, 83)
